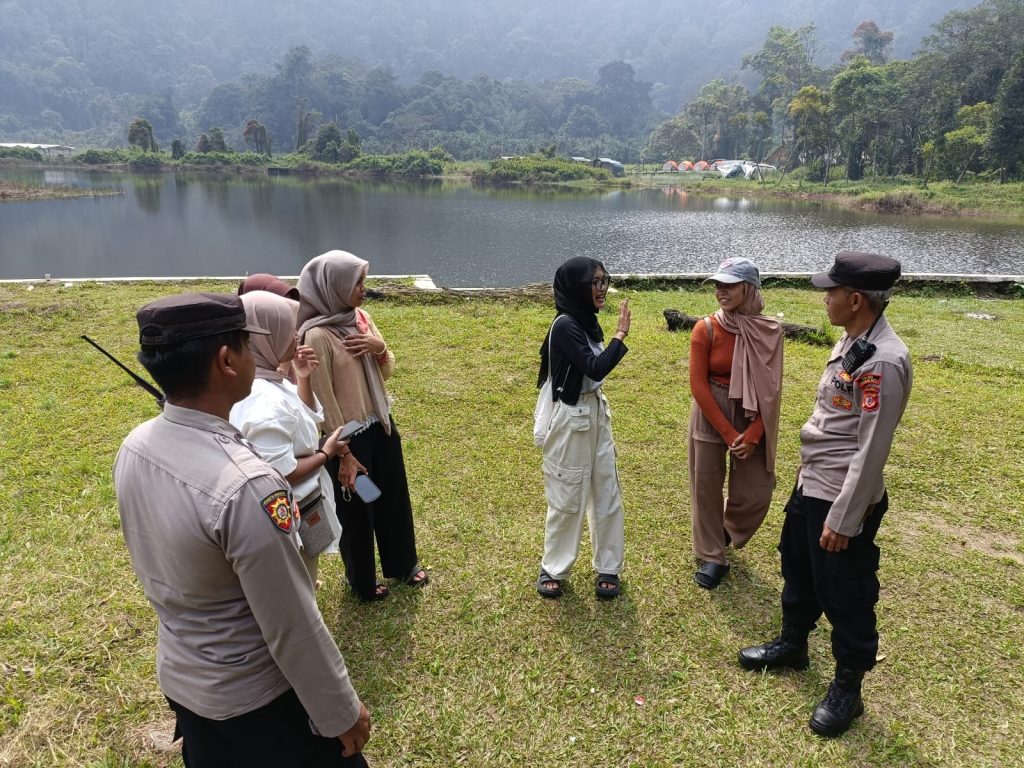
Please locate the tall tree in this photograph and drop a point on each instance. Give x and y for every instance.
(785, 62)
(295, 69)
(217, 143)
(307, 122)
(973, 48)
(327, 147)
(870, 42)
(962, 148)
(862, 99)
(255, 135)
(625, 102)
(1006, 141)
(810, 113)
(673, 139)
(140, 134)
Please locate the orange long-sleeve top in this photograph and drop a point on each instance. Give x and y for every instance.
(714, 362)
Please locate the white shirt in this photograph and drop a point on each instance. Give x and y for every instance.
(282, 427)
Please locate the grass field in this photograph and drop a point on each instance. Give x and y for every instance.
(477, 670)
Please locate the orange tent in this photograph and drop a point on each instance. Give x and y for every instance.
(670, 165)
(686, 165)
(701, 165)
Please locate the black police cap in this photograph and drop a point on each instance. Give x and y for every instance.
(189, 316)
(857, 269)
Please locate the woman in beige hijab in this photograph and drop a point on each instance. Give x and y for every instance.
(354, 363)
(282, 420)
(736, 382)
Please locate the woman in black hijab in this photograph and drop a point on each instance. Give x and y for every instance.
(579, 452)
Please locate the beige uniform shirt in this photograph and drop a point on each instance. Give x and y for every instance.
(846, 442)
(212, 538)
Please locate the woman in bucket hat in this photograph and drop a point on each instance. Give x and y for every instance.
(736, 382)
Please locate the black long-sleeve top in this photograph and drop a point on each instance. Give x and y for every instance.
(571, 354)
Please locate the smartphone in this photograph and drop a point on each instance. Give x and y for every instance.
(366, 489)
(350, 429)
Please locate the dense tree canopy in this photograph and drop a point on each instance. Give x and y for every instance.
(955, 108)
(626, 79)
(82, 70)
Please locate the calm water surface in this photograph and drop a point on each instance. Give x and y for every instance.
(176, 225)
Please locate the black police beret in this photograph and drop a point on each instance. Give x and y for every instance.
(190, 316)
(857, 269)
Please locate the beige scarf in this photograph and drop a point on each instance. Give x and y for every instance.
(325, 290)
(278, 315)
(756, 377)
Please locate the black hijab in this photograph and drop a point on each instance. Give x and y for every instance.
(574, 297)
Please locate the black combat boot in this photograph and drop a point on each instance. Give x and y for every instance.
(788, 650)
(841, 705)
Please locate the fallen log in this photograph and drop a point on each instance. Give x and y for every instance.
(677, 320)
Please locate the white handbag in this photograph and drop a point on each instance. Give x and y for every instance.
(545, 407)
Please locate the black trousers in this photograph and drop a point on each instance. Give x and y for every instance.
(843, 585)
(272, 736)
(389, 518)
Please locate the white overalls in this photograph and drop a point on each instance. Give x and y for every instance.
(580, 477)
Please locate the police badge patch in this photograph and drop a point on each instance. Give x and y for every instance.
(845, 403)
(871, 391)
(280, 510)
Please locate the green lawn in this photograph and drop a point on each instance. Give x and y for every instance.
(477, 670)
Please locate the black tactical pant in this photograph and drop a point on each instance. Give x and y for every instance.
(843, 585)
(272, 736)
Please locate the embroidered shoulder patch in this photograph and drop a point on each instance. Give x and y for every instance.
(871, 391)
(280, 510)
(839, 401)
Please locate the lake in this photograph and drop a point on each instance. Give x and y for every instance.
(220, 225)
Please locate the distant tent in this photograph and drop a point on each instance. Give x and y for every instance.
(686, 165)
(701, 165)
(670, 165)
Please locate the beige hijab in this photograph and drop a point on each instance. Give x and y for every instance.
(756, 378)
(325, 289)
(278, 315)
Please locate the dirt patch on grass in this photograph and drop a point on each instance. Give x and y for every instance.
(998, 546)
(155, 738)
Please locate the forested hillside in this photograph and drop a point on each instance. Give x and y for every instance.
(84, 68)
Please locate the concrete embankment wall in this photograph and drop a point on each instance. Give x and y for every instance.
(1008, 284)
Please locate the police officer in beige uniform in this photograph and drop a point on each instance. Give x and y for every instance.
(829, 557)
(243, 655)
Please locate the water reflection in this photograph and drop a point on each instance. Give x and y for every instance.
(195, 224)
(147, 193)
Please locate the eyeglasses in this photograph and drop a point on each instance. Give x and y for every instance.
(601, 282)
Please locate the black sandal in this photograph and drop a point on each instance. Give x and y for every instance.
(546, 578)
(380, 591)
(418, 577)
(607, 593)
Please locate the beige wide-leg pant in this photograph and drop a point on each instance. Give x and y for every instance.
(580, 478)
(750, 483)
